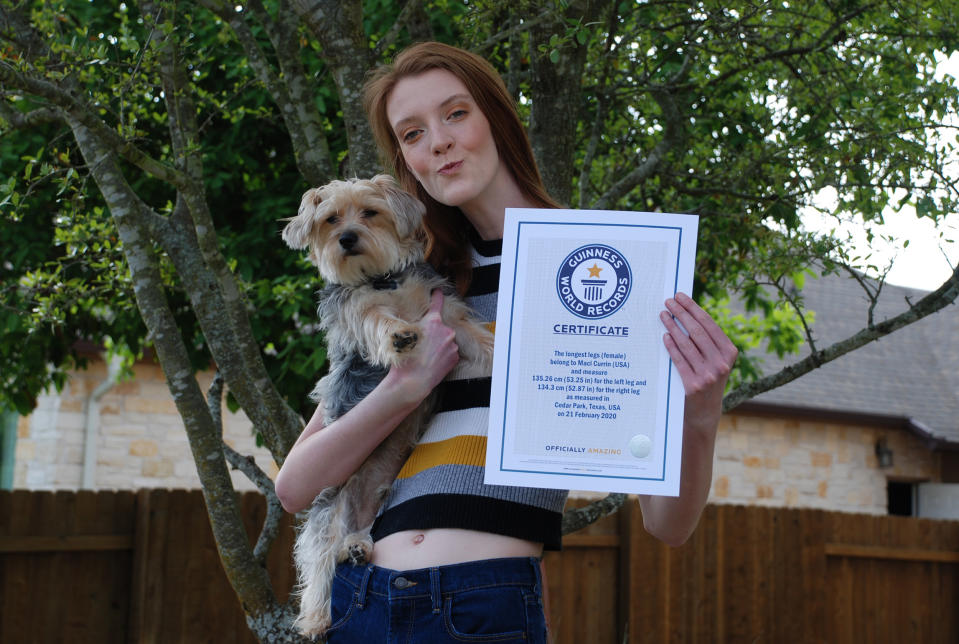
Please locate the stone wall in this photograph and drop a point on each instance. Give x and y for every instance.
(760, 460)
(140, 440)
(764, 460)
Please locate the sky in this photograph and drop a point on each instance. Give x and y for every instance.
(927, 261)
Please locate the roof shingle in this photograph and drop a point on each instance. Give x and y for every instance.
(912, 373)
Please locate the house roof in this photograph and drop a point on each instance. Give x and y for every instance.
(911, 374)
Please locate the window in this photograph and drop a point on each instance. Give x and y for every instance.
(901, 498)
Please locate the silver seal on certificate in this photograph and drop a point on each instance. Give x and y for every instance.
(640, 446)
(593, 281)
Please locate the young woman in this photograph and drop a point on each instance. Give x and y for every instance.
(455, 559)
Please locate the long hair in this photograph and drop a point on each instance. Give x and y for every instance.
(446, 226)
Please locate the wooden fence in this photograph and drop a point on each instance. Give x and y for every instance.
(141, 567)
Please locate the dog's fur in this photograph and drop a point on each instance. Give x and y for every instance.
(366, 239)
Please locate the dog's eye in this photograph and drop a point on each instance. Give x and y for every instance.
(369, 213)
(332, 219)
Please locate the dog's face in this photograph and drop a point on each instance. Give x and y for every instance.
(358, 229)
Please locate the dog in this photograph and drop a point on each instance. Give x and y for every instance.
(367, 239)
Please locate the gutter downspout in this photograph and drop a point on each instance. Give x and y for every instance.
(91, 423)
(8, 442)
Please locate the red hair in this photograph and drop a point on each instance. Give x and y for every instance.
(446, 226)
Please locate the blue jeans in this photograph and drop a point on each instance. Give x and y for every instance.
(494, 600)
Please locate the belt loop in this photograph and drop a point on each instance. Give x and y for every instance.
(435, 593)
(361, 593)
(537, 565)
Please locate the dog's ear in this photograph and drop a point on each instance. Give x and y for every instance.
(297, 232)
(408, 209)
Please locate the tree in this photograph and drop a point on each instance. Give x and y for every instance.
(171, 137)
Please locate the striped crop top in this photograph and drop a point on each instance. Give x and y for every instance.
(441, 484)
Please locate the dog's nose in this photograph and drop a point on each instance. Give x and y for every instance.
(348, 240)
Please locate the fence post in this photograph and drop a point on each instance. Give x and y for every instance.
(814, 574)
(140, 573)
(719, 512)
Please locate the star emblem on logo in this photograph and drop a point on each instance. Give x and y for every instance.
(594, 271)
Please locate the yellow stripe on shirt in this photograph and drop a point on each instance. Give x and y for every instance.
(461, 450)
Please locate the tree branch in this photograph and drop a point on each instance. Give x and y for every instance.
(247, 465)
(233, 343)
(602, 101)
(17, 29)
(579, 518)
(338, 26)
(291, 92)
(220, 309)
(519, 28)
(84, 114)
(177, 95)
(281, 31)
(826, 39)
(387, 40)
(940, 298)
(871, 293)
(794, 303)
(674, 134)
(22, 120)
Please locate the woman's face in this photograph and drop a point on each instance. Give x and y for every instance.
(445, 139)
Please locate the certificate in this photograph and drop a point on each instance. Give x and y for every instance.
(584, 394)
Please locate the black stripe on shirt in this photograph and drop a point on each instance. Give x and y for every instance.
(464, 394)
(469, 512)
(485, 280)
(485, 247)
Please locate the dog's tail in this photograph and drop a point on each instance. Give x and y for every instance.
(315, 554)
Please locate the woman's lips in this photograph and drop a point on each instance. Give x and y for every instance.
(450, 168)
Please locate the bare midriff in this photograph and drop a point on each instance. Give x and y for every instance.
(412, 549)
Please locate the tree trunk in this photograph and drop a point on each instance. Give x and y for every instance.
(132, 219)
(338, 26)
(555, 90)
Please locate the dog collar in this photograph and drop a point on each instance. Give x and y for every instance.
(384, 283)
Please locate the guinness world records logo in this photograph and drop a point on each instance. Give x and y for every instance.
(594, 281)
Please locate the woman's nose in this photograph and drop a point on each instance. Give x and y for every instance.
(442, 142)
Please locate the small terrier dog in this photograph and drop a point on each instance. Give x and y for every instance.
(367, 240)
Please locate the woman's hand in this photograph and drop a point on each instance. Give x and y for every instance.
(704, 359)
(435, 356)
(328, 455)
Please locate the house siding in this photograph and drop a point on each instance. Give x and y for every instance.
(783, 462)
(760, 459)
(141, 441)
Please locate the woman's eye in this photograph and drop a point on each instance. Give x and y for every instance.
(411, 135)
(369, 213)
(457, 114)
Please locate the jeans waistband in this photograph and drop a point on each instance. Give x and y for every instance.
(436, 581)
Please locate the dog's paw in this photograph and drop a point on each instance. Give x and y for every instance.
(357, 548)
(314, 626)
(405, 339)
(359, 554)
